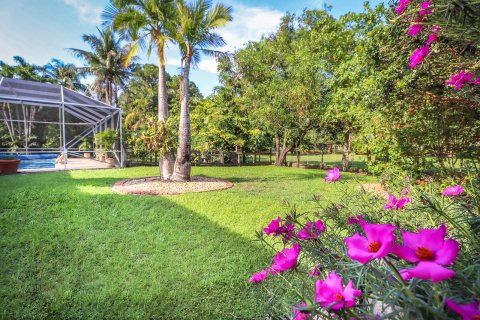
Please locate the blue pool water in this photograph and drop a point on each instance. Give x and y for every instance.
(35, 161)
(37, 164)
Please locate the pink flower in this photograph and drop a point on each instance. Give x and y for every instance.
(274, 227)
(333, 175)
(285, 259)
(432, 38)
(402, 5)
(458, 80)
(331, 291)
(404, 191)
(394, 203)
(429, 248)
(277, 229)
(259, 276)
(453, 191)
(416, 28)
(469, 311)
(315, 272)
(312, 230)
(435, 29)
(424, 8)
(419, 55)
(377, 244)
(476, 81)
(299, 315)
(355, 220)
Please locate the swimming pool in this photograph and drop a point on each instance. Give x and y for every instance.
(36, 161)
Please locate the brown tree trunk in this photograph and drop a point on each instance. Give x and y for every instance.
(167, 160)
(237, 150)
(283, 151)
(182, 168)
(277, 147)
(297, 151)
(108, 93)
(322, 164)
(346, 152)
(221, 157)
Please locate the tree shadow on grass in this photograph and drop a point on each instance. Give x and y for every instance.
(72, 255)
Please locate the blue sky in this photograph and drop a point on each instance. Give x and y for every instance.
(39, 30)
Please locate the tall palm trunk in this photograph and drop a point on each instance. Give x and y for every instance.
(167, 161)
(108, 92)
(181, 171)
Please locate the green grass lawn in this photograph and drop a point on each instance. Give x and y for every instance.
(331, 160)
(71, 248)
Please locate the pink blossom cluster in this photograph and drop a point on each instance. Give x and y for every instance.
(452, 191)
(394, 203)
(312, 230)
(277, 228)
(428, 250)
(333, 175)
(458, 80)
(282, 261)
(417, 26)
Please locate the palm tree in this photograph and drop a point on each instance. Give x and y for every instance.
(145, 24)
(108, 62)
(22, 70)
(65, 74)
(194, 34)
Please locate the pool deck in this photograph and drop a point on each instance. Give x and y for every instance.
(72, 164)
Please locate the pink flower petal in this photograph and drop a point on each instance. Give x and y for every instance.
(466, 311)
(447, 255)
(428, 271)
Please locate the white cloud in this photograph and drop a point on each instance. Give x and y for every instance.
(249, 24)
(88, 12)
(208, 64)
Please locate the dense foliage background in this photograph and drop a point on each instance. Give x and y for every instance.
(317, 81)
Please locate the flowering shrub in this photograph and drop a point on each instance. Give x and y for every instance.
(417, 14)
(358, 260)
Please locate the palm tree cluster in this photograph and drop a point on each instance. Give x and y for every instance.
(128, 27)
(151, 25)
(108, 62)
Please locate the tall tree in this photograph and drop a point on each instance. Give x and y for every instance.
(144, 23)
(108, 61)
(283, 78)
(194, 33)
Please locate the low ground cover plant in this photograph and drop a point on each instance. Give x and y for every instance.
(410, 254)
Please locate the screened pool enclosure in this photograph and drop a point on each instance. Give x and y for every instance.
(44, 120)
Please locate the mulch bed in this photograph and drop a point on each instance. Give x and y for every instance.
(155, 186)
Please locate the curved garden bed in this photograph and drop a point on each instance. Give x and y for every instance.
(156, 186)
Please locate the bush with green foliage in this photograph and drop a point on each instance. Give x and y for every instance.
(85, 145)
(107, 138)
